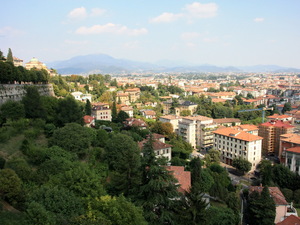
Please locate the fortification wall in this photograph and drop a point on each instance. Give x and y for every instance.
(15, 92)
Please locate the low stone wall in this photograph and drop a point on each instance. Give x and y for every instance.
(15, 92)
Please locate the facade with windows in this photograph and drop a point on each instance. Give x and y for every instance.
(233, 142)
(101, 112)
(292, 159)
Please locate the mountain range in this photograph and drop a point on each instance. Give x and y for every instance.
(102, 63)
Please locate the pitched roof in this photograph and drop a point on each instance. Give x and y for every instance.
(275, 192)
(291, 137)
(290, 220)
(236, 133)
(171, 117)
(277, 123)
(227, 120)
(294, 149)
(277, 116)
(201, 118)
(183, 177)
(157, 145)
(88, 119)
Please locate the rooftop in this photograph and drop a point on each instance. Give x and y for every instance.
(237, 134)
(275, 192)
(183, 177)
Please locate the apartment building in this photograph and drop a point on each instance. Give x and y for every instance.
(287, 141)
(292, 159)
(186, 105)
(173, 119)
(197, 130)
(133, 94)
(271, 131)
(234, 142)
(101, 112)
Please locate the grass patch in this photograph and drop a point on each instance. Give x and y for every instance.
(217, 203)
(12, 146)
(298, 211)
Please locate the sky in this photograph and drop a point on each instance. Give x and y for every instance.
(220, 32)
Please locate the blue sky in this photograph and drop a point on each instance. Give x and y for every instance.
(221, 32)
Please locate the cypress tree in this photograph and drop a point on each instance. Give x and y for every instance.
(88, 108)
(114, 113)
(10, 56)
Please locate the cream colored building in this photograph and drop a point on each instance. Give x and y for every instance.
(101, 112)
(197, 130)
(35, 63)
(235, 142)
(174, 120)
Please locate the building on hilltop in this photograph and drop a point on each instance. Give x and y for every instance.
(235, 142)
(35, 63)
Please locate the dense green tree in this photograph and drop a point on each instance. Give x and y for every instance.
(287, 107)
(10, 57)
(221, 215)
(241, 165)
(181, 148)
(266, 172)
(33, 103)
(37, 214)
(10, 185)
(123, 157)
(185, 113)
(196, 172)
(21, 168)
(81, 180)
(114, 113)
(122, 116)
(63, 204)
(297, 196)
(192, 208)
(73, 138)
(213, 156)
(261, 208)
(206, 181)
(69, 111)
(12, 110)
(158, 190)
(283, 177)
(288, 194)
(2, 162)
(88, 108)
(50, 105)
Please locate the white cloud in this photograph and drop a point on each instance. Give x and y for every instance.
(190, 35)
(259, 19)
(166, 18)
(9, 32)
(72, 42)
(97, 12)
(110, 28)
(198, 10)
(78, 13)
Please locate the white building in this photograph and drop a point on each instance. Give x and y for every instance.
(172, 119)
(82, 97)
(234, 142)
(292, 159)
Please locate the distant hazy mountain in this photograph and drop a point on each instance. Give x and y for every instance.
(101, 63)
(267, 68)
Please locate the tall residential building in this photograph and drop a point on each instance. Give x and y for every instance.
(235, 142)
(174, 120)
(197, 130)
(271, 132)
(287, 141)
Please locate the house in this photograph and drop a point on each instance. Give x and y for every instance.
(133, 122)
(183, 177)
(81, 97)
(283, 208)
(101, 112)
(186, 105)
(133, 94)
(89, 121)
(235, 142)
(290, 220)
(280, 117)
(128, 110)
(148, 113)
(160, 148)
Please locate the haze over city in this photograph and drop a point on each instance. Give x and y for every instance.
(224, 33)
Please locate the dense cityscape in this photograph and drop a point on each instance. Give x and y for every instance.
(206, 148)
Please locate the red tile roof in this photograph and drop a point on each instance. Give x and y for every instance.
(294, 149)
(237, 134)
(290, 220)
(183, 177)
(88, 119)
(275, 192)
(277, 123)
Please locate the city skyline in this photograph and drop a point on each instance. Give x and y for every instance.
(231, 33)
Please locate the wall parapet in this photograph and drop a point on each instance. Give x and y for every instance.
(15, 92)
